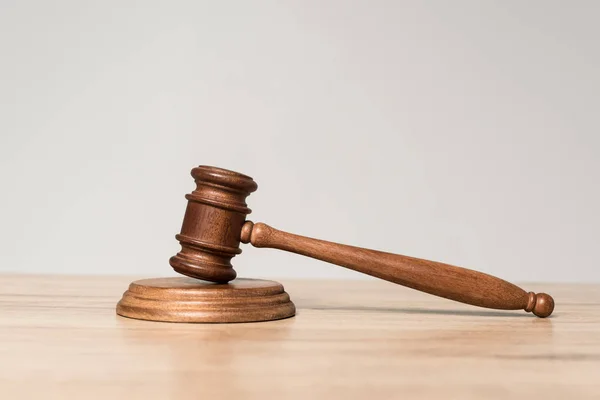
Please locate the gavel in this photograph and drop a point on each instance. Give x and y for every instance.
(215, 224)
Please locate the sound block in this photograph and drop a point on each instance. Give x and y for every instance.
(183, 299)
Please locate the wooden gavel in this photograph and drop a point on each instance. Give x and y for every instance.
(215, 223)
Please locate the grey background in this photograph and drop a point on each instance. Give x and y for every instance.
(463, 131)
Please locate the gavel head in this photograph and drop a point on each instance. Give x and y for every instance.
(210, 233)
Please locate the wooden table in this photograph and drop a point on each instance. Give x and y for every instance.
(60, 339)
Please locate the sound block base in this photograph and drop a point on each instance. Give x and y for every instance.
(183, 299)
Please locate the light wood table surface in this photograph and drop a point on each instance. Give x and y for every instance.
(61, 339)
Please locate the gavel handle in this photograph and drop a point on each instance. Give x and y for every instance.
(448, 281)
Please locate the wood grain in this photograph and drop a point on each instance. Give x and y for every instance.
(210, 232)
(61, 339)
(439, 279)
(183, 299)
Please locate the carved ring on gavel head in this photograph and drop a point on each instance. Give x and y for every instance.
(213, 227)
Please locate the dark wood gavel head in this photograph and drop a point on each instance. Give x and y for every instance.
(210, 233)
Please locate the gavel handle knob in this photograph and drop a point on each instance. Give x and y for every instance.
(448, 281)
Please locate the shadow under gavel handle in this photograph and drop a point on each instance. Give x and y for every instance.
(448, 281)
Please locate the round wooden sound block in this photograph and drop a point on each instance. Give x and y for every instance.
(183, 299)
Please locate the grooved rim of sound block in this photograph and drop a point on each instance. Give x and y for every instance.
(183, 299)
